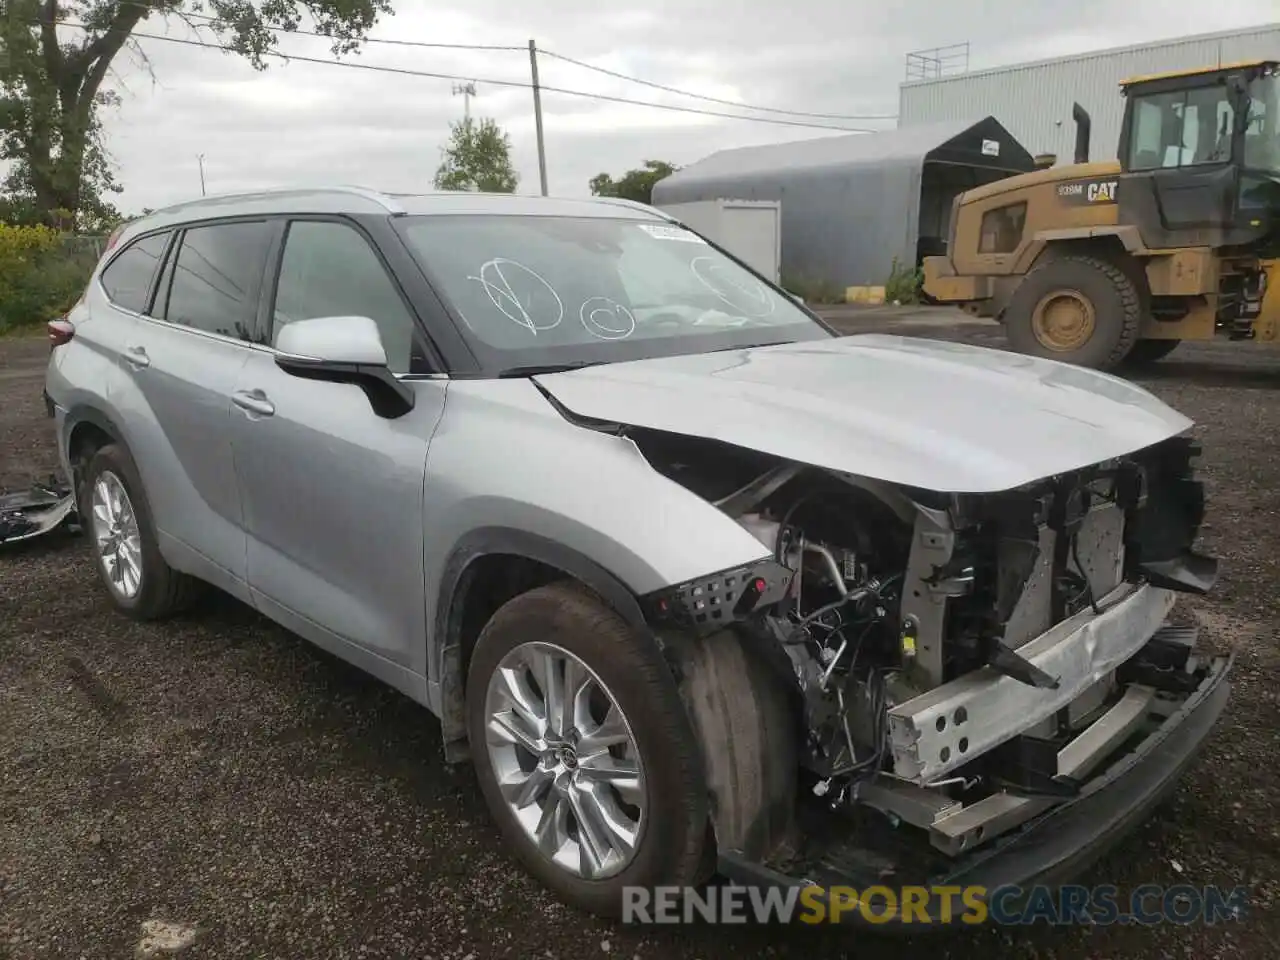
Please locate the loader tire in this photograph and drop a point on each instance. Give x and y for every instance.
(1147, 352)
(1077, 309)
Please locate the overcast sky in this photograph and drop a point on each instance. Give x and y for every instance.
(300, 122)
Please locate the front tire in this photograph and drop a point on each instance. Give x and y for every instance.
(117, 516)
(1147, 352)
(1077, 309)
(583, 751)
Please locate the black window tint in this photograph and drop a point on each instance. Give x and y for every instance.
(329, 270)
(216, 277)
(127, 278)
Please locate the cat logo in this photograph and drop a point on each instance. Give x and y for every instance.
(1104, 192)
(1089, 192)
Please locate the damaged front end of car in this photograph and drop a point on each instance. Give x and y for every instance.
(983, 688)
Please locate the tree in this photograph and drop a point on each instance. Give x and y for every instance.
(51, 88)
(635, 184)
(478, 157)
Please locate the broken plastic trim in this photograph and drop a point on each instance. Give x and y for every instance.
(720, 598)
(35, 512)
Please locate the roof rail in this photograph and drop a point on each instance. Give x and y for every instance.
(389, 203)
(637, 205)
(383, 200)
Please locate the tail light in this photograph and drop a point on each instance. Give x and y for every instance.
(61, 331)
(111, 240)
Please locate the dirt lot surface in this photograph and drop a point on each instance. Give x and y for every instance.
(221, 774)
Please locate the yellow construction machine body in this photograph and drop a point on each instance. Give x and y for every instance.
(1176, 239)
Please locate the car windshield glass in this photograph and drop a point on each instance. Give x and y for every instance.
(534, 291)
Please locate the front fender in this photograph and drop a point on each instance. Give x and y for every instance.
(508, 474)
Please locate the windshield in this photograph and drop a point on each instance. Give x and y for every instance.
(537, 291)
(1262, 133)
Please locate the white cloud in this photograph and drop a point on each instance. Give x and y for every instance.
(304, 122)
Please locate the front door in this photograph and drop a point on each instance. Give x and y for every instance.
(333, 493)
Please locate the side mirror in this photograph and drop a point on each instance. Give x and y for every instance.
(344, 350)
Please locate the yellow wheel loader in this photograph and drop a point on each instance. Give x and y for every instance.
(1115, 262)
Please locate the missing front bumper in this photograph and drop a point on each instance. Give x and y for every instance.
(1053, 845)
(941, 730)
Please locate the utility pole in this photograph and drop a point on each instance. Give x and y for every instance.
(200, 160)
(537, 116)
(468, 90)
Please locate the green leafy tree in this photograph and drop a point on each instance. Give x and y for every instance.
(635, 184)
(477, 158)
(52, 87)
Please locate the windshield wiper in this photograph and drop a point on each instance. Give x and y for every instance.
(533, 369)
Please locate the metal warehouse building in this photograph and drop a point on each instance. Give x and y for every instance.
(851, 204)
(1033, 100)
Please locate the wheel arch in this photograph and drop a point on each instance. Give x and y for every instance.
(86, 430)
(485, 568)
(1107, 245)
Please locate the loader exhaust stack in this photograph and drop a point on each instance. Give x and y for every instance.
(1083, 126)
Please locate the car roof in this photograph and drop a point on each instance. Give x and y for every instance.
(360, 200)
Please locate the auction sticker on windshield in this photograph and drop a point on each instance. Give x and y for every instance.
(663, 232)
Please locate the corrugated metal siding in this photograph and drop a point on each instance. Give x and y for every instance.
(1034, 101)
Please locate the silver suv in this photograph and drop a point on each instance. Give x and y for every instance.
(697, 584)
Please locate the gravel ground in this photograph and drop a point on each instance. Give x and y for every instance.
(221, 774)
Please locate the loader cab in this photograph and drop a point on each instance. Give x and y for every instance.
(1200, 156)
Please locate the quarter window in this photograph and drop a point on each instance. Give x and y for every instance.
(127, 279)
(330, 270)
(216, 276)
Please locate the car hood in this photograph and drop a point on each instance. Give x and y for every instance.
(942, 416)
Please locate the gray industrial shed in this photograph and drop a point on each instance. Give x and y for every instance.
(851, 204)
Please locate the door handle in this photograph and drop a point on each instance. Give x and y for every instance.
(136, 357)
(255, 401)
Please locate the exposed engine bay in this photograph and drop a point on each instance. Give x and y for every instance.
(960, 662)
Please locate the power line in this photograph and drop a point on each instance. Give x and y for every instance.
(726, 103)
(559, 56)
(524, 85)
(324, 36)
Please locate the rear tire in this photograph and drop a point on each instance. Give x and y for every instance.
(533, 772)
(1147, 352)
(1076, 309)
(117, 516)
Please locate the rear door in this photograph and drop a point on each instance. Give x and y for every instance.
(184, 361)
(332, 492)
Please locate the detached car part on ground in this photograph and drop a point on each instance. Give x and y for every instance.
(44, 508)
(713, 588)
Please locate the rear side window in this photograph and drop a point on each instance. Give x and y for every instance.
(216, 276)
(127, 279)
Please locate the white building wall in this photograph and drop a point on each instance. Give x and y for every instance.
(1033, 100)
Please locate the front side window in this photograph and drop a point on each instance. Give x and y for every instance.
(127, 279)
(215, 278)
(1181, 129)
(549, 291)
(330, 270)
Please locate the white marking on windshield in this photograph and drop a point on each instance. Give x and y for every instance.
(607, 319)
(497, 285)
